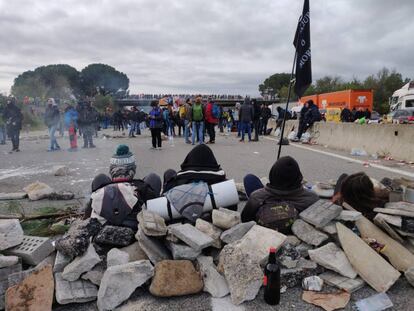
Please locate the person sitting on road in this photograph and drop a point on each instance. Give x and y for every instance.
(277, 204)
(200, 164)
(117, 200)
(308, 116)
(358, 191)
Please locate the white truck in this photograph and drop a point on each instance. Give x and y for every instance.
(403, 98)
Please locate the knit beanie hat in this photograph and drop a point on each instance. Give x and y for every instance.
(285, 174)
(122, 163)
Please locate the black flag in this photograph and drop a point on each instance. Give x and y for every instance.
(302, 44)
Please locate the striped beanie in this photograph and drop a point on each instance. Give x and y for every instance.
(122, 164)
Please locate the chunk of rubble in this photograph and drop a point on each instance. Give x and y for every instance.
(175, 278)
(119, 282)
(60, 170)
(7, 261)
(409, 275)
(292, 240)
(35, 292)
(116, 257)
(81, 264)
(307, 233)
(225, 218)
(258, 240)
(192, 236)
(79, 291)
(61, 261)
(11, 233)
(237, 232)
(342, 282)
(349, 215)
(135, 252)
(96, 274)
(242, 272)
(38, 191)
(151, 223)
(303, 249)
(214, 283)
(372, 268)
(182, 251)
(153, 248)
(313, 283)
(321, 213)
(330, 228)
(76, 241)
(211, 230)
(398, 255)
(13, 196)
(332, 257)
(115, 236)
(327, 301)
(381, 222)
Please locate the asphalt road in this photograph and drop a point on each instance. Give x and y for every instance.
(237, 159)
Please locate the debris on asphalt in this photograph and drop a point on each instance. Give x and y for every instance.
(376, 302)
(327, 301)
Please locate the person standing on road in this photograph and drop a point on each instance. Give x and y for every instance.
(256, 119)
(185, 112)
(52, 121)
(236, 119)
(197, 119)
(87, 120)
(212, 112)
(246, 118)
(156, 124)
(133, 119)
(13, 118)
(71, 120)
(265, 114)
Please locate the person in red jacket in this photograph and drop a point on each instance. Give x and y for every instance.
(211, 120)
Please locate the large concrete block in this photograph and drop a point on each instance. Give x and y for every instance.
(33, 249)
(321, 213)
(11, 233)
(192, 236)
(74, 292)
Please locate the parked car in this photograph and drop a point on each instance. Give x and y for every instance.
(403, 116)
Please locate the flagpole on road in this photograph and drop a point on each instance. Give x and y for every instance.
(287, 106)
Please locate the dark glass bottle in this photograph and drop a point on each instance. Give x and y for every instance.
(271, 279)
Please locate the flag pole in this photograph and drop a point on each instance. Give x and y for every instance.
(287, 102)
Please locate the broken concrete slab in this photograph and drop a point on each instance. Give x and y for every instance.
(7, 261)
(116, 257)
(192, 236)
(96, 274)
(115, 236)
(32, 250)
(225, 218)
(38, 191)
(151, 223)
(349, 216)
(306, 264)
(321, 213)
(409, 275)
(242, 272)
(394, 211)
(330, 228)
(79, 291)
(327, 301)
(391, 219)
(135, 252)
(381, 223)
(182, 251)
(214, 283)
(5, 272)
(287, 262)
(313, 283)
(292, 240)
(398, 255)
(237, 232)
(372, 268)
(303, 249)
(258, 240)
(81, 264)
(11, 233)
(308, 233)
(12, 196)
(402, 205)
(211, 230)
(342, 282)
(61, 261)
(34, 293)
(175, 278)
(119, 282)
(332, 257)
(153, 248)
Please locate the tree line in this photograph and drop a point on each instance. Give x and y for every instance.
(383, 83)
(65, 82)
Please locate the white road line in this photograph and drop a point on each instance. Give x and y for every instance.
(374, 165)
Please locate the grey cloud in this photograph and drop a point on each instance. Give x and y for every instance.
(217, 46)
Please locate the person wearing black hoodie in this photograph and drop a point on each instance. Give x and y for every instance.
(308, 116)
(13, 118)
(200, 164)
(284, 189)
(256, 119)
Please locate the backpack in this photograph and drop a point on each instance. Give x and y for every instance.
(277, 216)
(182, 112)
(215, 111)
(197, 113)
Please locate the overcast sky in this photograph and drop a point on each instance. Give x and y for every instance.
(214, 46)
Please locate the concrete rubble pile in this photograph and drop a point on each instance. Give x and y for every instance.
(221, 257)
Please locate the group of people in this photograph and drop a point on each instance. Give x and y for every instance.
(81, 120)
(274, 205)
(348, 115)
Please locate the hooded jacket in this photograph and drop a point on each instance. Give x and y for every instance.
(246, 112)
(13, 117)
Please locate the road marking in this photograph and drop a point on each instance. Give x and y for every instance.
(374, 165)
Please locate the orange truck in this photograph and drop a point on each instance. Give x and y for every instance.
(358, 99)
